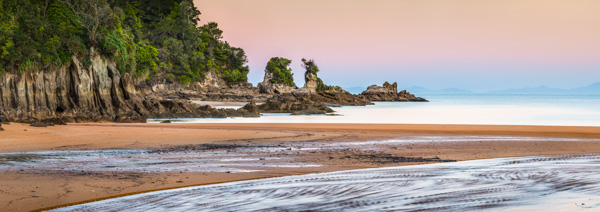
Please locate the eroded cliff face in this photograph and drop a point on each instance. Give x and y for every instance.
(75, 93)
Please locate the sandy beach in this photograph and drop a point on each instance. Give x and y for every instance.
(340, 147)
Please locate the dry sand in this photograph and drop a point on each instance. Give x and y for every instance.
(24, 190)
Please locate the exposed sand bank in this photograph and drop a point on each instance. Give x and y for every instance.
(30, 189)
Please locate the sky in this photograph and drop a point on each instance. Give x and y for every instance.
(478, 45)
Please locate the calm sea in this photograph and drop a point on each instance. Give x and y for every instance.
(500, 109)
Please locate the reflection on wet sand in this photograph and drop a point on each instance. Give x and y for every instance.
(563, 182)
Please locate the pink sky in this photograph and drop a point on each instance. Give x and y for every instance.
(470, 44)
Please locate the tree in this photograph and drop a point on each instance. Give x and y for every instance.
(92, 15)
(310, 66)
(282, 74)
(160, 40)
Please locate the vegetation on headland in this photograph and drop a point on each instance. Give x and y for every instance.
(282, 73)
(158, 40)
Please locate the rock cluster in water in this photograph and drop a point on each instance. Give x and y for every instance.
(389, 93)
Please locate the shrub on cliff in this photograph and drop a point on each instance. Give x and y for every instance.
(235, 75)
(282, 74)
(310, 66)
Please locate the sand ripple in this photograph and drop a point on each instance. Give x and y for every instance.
(564, 182)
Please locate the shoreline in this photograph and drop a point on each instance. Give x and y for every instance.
(58, 188)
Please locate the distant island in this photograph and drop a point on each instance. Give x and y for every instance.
(126, 61)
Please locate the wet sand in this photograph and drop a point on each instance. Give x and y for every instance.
(26, 189)
(537, 183)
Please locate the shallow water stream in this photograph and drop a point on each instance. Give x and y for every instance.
(546, 183)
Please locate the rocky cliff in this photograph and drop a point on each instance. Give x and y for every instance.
(389, 93)
(98, 92)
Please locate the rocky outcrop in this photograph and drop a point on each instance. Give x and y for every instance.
(292, 104)
(311, 82)
(268, 87)
(243, 92)
(389, 93)
(299, 103)
(99, 92)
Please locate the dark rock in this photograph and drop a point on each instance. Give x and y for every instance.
(310, 112)
(54, 121)
(166, 122)
(40, 124)
(297, 105)
(251, 107)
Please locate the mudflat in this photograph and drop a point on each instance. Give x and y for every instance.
(33, 183)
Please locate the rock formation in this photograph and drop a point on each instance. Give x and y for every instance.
(74, 93)
(293, 104)
(311, 82)
(268, 87)
(389, 93)
(227, 93)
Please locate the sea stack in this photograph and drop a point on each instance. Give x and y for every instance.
(278, 77)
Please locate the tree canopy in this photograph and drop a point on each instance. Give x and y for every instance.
(282, 74)
(310, 66)
(159, 40)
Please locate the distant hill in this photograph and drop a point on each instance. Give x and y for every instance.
(422, 90)
(590, 89)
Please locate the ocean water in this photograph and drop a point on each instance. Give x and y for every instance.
(494, 109)
(542, 183)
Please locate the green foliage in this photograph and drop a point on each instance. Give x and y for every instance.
(160, 40)
(145, 58)
(321, 86)
(233, 76)
(310, 66)
(388, 85)
(27, 66)
(282, 74)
